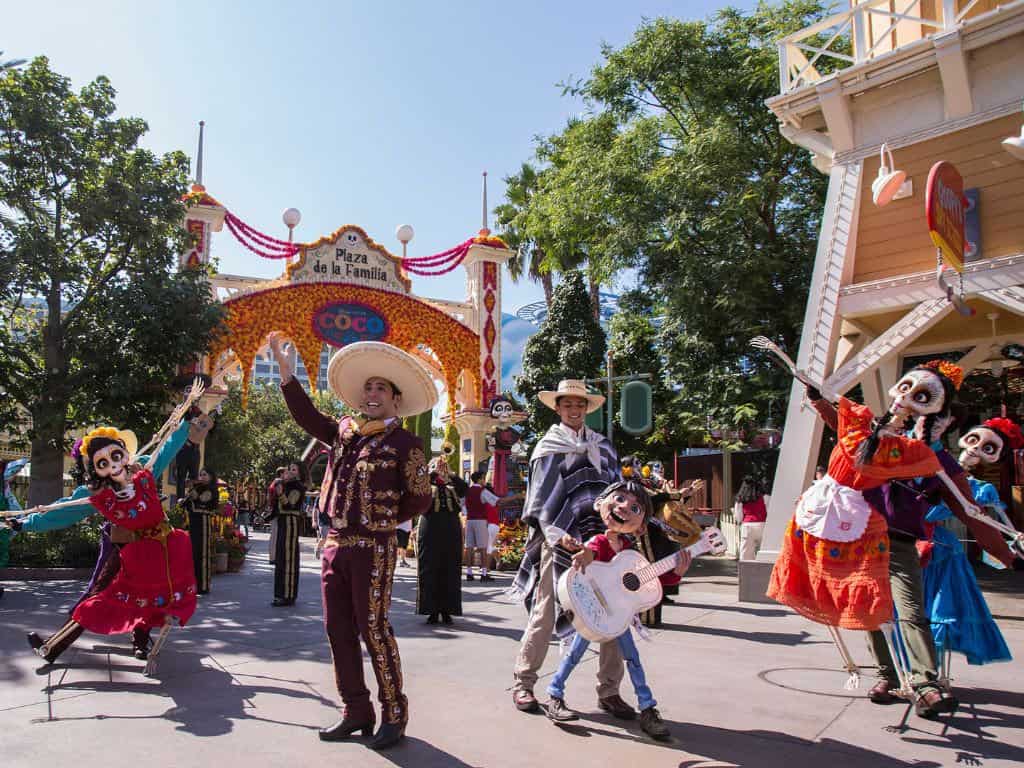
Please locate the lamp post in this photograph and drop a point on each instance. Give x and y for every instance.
(291, 218)
(405, 234)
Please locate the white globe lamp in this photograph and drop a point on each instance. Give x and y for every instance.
(405, 234)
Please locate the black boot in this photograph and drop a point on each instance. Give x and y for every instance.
(388, 735)
(141, 644)
(344, 728)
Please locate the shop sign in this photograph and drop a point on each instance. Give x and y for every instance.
(945, 207)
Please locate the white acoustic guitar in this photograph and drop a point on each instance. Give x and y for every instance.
(604, 599)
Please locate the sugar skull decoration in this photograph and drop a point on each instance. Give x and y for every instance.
(501, 440)
(990, 443)
(501, 409)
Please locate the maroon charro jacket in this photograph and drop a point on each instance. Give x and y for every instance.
(373, 482)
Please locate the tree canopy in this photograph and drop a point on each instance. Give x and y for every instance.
(95, 318)
(569, 345)
(677, 170)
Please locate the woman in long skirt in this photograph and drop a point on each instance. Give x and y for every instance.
(439, 548)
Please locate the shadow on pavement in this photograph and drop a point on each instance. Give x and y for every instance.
(753, 748)
(770, 638)
(207, 698)
(416, 753)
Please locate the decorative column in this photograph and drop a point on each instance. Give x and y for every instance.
(203, 216)
(483, 265)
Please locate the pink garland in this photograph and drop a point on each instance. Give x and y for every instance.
(440, 263)
(259, 243)
(271, 248)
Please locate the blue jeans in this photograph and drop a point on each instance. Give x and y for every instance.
(645, 698)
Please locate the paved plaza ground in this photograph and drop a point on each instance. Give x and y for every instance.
(248, 685)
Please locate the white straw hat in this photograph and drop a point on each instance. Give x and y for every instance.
(571, 388)
(354, 364)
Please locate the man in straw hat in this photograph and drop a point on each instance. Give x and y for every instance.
(377, 478)
(570, 466)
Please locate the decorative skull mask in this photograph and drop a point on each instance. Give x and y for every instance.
(925, 395)
(980, 445)
(919, 393)
(104, 457)
(501, 408)
(990, 442)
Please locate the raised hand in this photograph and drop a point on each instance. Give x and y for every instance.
(283, 359)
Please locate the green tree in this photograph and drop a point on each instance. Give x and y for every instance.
(525, 237)
(633, 345)
(248, 444)
(679, 170)
(94, 316)
(569, 345)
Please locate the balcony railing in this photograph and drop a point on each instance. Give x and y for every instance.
(869, 29)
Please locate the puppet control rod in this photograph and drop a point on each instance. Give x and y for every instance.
(160, 438)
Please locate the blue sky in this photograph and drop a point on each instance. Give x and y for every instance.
(373, 113)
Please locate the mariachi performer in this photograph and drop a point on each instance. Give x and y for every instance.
(143, 576)
(202, 503)
(439, 547)
(376, 478)
(670, 526)
(289, 500)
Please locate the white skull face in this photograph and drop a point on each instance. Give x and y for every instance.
(980, 445)
(501, 409)
(111, 461)
(918, 393)
(351, 238)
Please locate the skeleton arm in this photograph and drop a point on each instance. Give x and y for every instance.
(988, 533)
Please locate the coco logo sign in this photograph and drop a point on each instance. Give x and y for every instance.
(339, 323)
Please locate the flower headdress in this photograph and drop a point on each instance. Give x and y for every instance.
(123, 436)
(950, 370)
(1009, 430)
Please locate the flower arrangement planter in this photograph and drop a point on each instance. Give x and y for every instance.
(220, 562)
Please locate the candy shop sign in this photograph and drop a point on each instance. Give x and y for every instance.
(339, 323)
(944, 208)
(349, 258)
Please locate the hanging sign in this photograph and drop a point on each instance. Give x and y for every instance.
(944, 208)
(349, 256)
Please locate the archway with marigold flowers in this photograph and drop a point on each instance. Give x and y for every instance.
(346, 287)
(301, 310)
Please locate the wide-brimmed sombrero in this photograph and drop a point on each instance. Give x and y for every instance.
(571, 388)
(354, 364)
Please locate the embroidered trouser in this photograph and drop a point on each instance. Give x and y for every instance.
(908, 597)
(356, 574)
(286, 559)
(201, 533)
(537, 637)
(629, 652)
